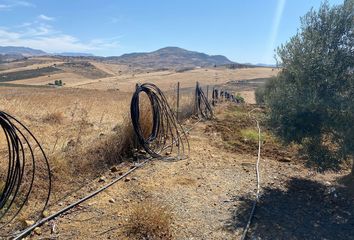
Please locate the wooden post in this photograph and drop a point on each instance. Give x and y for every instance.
(177, 111)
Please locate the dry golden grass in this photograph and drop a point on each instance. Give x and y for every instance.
(53, 118)
(69, 124)
(149, 220)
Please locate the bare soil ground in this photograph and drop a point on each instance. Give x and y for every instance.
(210, 195)
(207, 196)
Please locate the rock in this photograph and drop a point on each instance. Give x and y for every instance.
(45, 213)
(114, 169)
(142, 152)
(102, 179)
(327, 183)
(70, 144)
(38, 231)
(127, 179)
(134, 178)
(112, 200)
(29, 223)
(285, 159)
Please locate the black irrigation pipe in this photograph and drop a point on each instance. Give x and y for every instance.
(166, 130)
(221, 95)
(164, 123)
(202, 106)
(166, 133)
(28, 230)
(22, 169)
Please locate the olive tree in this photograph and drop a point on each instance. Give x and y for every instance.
(312, 99)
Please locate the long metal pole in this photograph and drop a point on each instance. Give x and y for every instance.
(177, 111)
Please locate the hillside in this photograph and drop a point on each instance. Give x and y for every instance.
(24, 51)
(170, 57)
(164, 58)
(10, 57)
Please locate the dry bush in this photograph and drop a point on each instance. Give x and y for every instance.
(121, 143)
(149, 220)
(145, 119)
(186, 109)
(53, 118)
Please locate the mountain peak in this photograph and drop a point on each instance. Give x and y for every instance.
(171, 49)
(172, 57)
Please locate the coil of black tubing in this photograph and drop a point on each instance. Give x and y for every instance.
(167, 135)
(22, 169)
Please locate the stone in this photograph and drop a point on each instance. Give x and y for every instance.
(112, 200)
(114, 169)
(29, 223)
(45, 213)
(102, 179)
(38, 231)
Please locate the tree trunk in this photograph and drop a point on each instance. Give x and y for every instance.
(353, 169)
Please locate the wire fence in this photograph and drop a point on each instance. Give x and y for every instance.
(165, 140)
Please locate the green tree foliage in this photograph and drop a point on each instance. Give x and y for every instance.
(263, 91)
(312, 99)
(58, 82)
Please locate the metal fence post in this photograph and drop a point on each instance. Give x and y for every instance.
(177, 111)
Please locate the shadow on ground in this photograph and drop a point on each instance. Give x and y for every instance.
(305, 209)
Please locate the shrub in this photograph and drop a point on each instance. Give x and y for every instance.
(311, 101)
(263, 92)
(239, 98)
(53, 118)
(149, 220)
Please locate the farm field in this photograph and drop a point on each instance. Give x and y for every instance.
(176, 120)
(208, 196)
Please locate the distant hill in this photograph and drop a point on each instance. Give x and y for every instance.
(265, 65)
(24, 51)
(170, 57)
(4, 58)
(30, 52)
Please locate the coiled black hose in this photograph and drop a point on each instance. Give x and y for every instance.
(20, 174)
(167, 136)
(202, 106)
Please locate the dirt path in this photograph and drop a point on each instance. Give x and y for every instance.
(209, 196)
(198, 191)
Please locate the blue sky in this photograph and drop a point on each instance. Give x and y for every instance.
(244, 31)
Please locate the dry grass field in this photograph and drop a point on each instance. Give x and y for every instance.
(123, 77)
(85, 130)
(82, 125)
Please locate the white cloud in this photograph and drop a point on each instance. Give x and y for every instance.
(14, 4)
(44, 37)
(23, 4)
(4, 6)
(45, 18)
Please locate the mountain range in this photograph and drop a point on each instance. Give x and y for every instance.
(168, 57)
